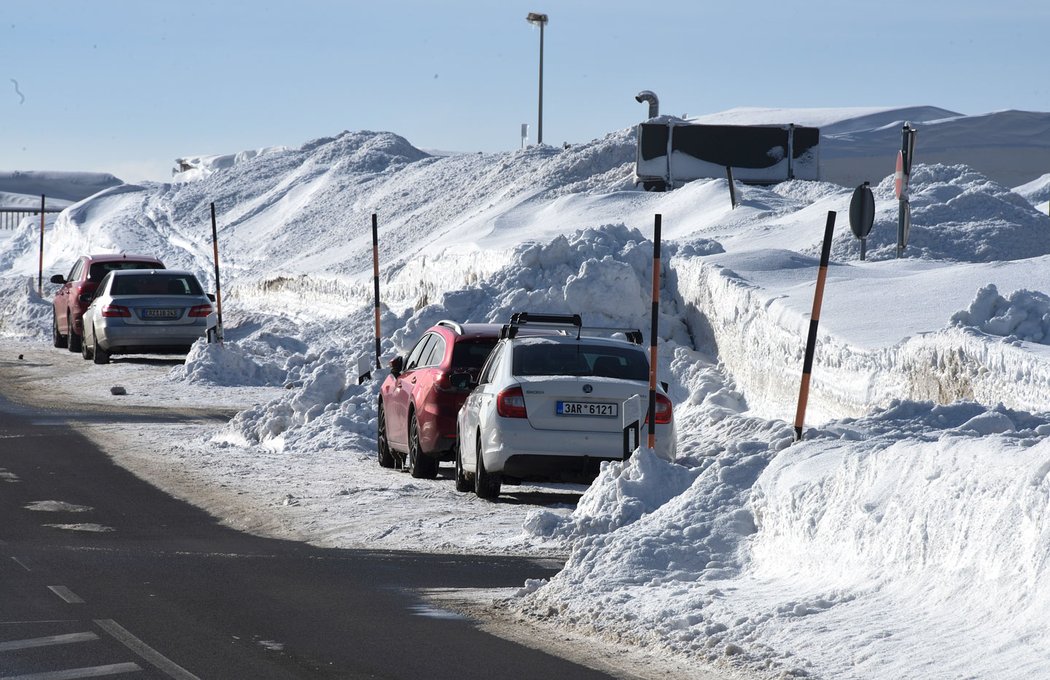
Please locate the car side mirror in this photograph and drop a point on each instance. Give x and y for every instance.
(396, 365)
(58, 278)
(461, 381)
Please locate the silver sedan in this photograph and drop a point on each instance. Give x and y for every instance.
(145, 311)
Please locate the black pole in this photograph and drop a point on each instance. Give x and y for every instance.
(218, 289)
(732, 186)
(375, 277)
(653, 332)
(814, 320)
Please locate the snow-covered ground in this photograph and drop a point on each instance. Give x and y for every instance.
(905, 536)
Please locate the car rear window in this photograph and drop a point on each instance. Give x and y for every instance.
(156, 284)
(472, 353)
(606, 361)
(99, 270)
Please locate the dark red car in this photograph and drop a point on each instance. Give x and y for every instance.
(78, 287)
(418, 404)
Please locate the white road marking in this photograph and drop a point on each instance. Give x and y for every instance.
(66, 594)
(19, 563)
(75, 673)
(151, 655)
(47, 641)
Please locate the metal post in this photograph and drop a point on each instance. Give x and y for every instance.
(814, 319)
(653, 332)
(539, 127)
(40, 272)
(375, 277)
(732, 186)
(218, 290)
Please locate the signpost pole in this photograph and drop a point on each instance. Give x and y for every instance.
(814, 320)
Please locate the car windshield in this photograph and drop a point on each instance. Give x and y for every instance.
(606, 361)
(156, 284)
(472, 353)
(99, 270)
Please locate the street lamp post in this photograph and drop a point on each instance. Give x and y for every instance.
(541, 21)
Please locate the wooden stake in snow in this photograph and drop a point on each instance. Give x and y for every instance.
(375, 278)
(218, 290)
(814, 319)
(653, 331)
(40, 272)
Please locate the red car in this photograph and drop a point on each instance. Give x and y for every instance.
(78, 287)
(418, 404)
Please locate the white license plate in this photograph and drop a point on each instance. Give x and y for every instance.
(160, 314)
(586, 408)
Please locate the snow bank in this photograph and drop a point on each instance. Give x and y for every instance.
(1025, 315)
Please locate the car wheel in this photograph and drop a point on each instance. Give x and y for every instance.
(386, 458)
(85, 351)
(73, 340)
(100, 355)
(420, 466)
(486, 485)
(57, 338)
(462, 482)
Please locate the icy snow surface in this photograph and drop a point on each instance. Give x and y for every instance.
(904, 537)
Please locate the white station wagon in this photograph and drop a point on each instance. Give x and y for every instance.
(549, 406)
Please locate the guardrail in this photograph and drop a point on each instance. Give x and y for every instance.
(11, 217)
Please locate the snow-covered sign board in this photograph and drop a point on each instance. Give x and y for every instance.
(672, 151)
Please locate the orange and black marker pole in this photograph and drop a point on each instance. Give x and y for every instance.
(653, 332)
(375, 277)
(814, 319)
(218, 290)
(40, 272)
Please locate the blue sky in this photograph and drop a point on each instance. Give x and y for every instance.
(126, 87)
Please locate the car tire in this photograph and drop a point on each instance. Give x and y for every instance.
(86, 351)
(463, 483)
(420, 465)
(73, 340)
(386, 457)
(486, 484)
(99, 355)
(57, 338)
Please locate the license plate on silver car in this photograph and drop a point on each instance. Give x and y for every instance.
(586, 408)
(160, 314)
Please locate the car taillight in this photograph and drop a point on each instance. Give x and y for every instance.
(200, 310)
(663, 410)
(116, 311)
(510, 403)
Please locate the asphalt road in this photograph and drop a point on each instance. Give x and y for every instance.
(103, 575)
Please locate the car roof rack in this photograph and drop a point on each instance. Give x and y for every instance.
(519, 320)
(458, 329)
(563, 323)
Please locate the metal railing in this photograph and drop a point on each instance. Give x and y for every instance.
(11, 217)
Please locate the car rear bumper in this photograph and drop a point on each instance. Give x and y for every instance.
(516, 449)
(147, 339)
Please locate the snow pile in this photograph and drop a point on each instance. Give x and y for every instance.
(191, 168)
(958, 214)
(1025, 315)
(227, 364)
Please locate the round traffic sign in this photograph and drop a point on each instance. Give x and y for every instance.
(862, 211)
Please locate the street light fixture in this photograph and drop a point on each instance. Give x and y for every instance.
(541, 21)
